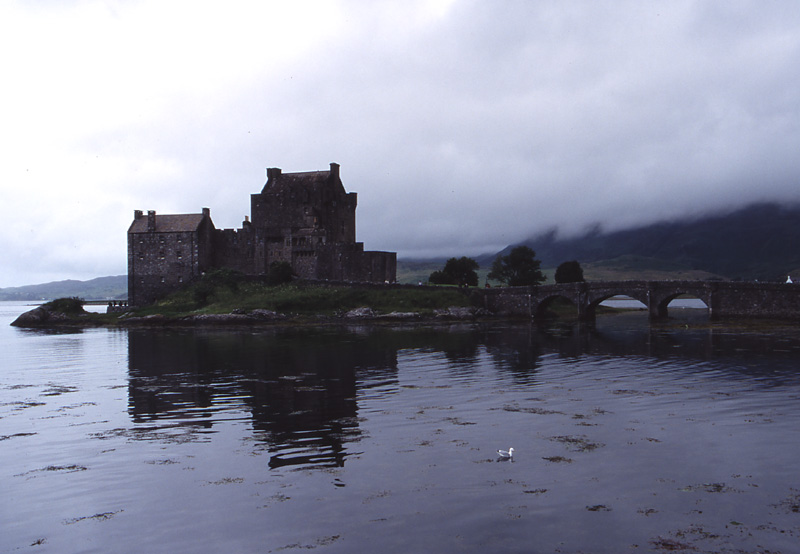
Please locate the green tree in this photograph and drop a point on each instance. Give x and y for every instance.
(440, 278)
(457, 271)
(569, 272)
(520, 267)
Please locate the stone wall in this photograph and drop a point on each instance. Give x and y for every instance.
(161, 262)
(759, 300)
(234, 249)
(512, 301)
(724, 299)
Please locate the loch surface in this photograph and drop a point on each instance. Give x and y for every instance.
(626, 437)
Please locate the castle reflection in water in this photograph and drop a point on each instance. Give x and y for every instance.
(299, 387)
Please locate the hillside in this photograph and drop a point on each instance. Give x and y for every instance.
(101, 288)
(758, 242)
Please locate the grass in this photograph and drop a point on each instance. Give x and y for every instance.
(302, 299)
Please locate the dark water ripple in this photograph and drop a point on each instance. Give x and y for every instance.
(627, 439)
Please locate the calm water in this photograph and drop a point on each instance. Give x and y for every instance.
(383, 439)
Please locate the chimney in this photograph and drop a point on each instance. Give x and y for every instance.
(273, 173)
(151, 220)
(137, 214)
(334, 170)
(206, 212)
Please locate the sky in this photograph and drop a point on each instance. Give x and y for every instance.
(463, 125)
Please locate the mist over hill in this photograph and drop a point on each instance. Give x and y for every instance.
(761, 241)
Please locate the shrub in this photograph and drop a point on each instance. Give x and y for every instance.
(224, 277)
(71, 305)
(279, 273)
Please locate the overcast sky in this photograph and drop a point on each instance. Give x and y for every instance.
(463, 125)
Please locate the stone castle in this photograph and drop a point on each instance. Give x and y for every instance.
(306, 219)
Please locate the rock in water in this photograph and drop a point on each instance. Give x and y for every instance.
(38, 317)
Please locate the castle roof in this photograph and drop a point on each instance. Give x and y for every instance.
(168, 223)
(279, 181)
(305, 177)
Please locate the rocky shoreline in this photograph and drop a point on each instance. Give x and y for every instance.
(41, 317)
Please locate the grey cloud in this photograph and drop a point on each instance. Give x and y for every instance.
(498, 121)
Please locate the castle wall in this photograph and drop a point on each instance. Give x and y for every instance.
(305, 219)
(160, 262)
(235, 249)
(349, 262)
(312, 203)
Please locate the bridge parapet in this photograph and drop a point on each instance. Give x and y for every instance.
(723, 298)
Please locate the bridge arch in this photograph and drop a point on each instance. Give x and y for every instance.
(722, 298)
(541, 309)
(661, 304)
(595, 300)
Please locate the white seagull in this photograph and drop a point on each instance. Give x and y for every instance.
(506, 453)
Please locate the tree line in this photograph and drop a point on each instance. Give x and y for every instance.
(519, 267)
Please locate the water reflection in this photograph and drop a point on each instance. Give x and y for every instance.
(298, 387)
(752, 350)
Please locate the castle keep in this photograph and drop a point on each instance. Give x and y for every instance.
(306, 219)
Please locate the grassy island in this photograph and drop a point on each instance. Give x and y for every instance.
(226, 298)
(303, 299)
(235, 301)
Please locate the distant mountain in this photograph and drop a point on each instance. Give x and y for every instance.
(757, 242)
(101, 288)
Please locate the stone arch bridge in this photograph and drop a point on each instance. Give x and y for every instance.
(723, 298)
